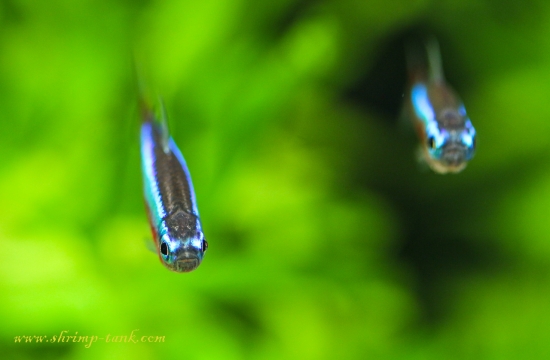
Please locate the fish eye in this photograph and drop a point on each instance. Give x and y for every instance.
(164, 249)
(431, 142)
(204, 246)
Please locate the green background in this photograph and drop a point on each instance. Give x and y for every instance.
(327, 240)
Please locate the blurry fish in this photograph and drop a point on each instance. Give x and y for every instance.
(447, 136)
(169, 196)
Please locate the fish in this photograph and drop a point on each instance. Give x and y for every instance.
(169, 195)
(447, 136)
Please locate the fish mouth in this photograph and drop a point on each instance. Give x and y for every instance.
(187, 265)
(187, 260)
(454, 155)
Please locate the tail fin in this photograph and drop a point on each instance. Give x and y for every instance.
(417, 64)
(150, 111)
(434, 60)
(424, 61)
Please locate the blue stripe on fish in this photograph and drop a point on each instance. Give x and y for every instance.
(170, 198)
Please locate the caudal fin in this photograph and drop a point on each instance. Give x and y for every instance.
(434, 60)
(151, 111)
(417, 64)
(424, 60)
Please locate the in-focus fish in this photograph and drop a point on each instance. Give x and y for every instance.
(169, 196)
(447, 136)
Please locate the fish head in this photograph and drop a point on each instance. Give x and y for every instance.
(449, 149)
(182, 244)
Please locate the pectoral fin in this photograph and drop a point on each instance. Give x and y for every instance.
(150, 245)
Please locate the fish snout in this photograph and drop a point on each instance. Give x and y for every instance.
(187, 262)
(454, 154)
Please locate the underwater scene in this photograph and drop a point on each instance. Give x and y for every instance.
(294, 179)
